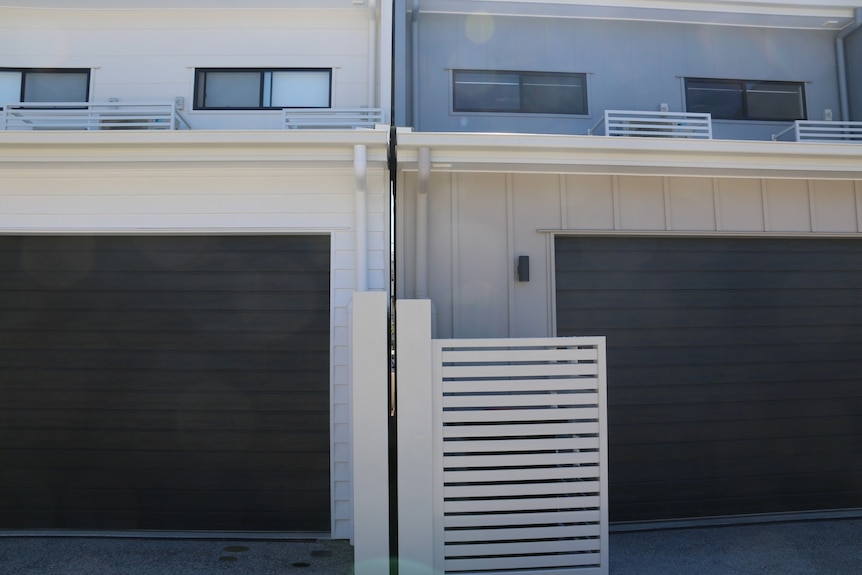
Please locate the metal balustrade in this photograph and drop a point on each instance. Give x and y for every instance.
(822, 131)
(654, 124)
(91, 116)
(332, 118)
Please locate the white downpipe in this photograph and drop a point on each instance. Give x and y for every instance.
(840, 56)
(360, 170)
(422, 223)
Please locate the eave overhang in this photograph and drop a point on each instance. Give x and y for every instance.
(556, 154)
(299, 148)
(826, 15)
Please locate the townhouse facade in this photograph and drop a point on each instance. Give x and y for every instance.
(192, 195)
(180, 255)
(682, 178)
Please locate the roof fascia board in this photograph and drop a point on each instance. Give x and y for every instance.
(17, 148)
(785, 14)
(520, 153)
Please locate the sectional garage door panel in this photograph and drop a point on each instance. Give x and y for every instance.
(165, 382)
(734, 370)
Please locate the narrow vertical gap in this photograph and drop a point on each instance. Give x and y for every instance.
(615, 184)
(764, 200)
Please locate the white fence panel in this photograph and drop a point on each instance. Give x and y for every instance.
(520, 456)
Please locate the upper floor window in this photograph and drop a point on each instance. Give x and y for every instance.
(259, 89)
(519, 92)
(44, 85)
(746, 99)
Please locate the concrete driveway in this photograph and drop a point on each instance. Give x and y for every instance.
(831, 547)
(798, 548)
(147, 556)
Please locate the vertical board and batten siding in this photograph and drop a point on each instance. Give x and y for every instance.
(790, 217)
(223, 200)
(733, 366)
(480, 223)
(630, 65)
(151, 54)
(165, 382)
(520, 456)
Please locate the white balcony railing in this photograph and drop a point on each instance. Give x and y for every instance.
(654, 124)
(90, 116)
(332, 118)
(822, 131)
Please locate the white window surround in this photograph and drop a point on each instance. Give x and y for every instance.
(262, 88)
(44, 85)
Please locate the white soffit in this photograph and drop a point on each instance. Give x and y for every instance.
(827, 15)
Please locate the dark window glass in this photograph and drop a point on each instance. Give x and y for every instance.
(553, 94)
(746, 100)
(487, 92)
(519, 92)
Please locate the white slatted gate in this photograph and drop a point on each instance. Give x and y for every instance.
(520, 456)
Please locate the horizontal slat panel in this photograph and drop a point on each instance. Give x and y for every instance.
(583, 383)
(512, 356)
(521, 400)
(526, 519)
(521, 489)
(510, 548)
(477, 476)
(573, 560)
(497, 415)
(519, 430)
(562, 369)
(574, 501)
(525, 532)
(533, 445)
(522, 459)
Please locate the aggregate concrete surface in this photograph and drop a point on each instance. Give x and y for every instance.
(144, 556)
(832, 547)
(795, 548)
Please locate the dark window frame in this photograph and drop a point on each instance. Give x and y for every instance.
(745, 89)
(200, 98)
(25, 71)
(524, 103)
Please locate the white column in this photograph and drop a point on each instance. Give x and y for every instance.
(370, 411)
(415, 440)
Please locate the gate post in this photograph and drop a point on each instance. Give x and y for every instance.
(415, 438)
(370, 414)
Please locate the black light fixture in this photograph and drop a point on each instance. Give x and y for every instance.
(523, 268)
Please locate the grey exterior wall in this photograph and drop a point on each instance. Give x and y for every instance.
(630, 66)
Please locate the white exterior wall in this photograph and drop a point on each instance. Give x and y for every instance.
(91, 189)
(150, 55)
(481, 222)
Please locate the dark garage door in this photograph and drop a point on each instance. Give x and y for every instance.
(157, 382)
(734, 370)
